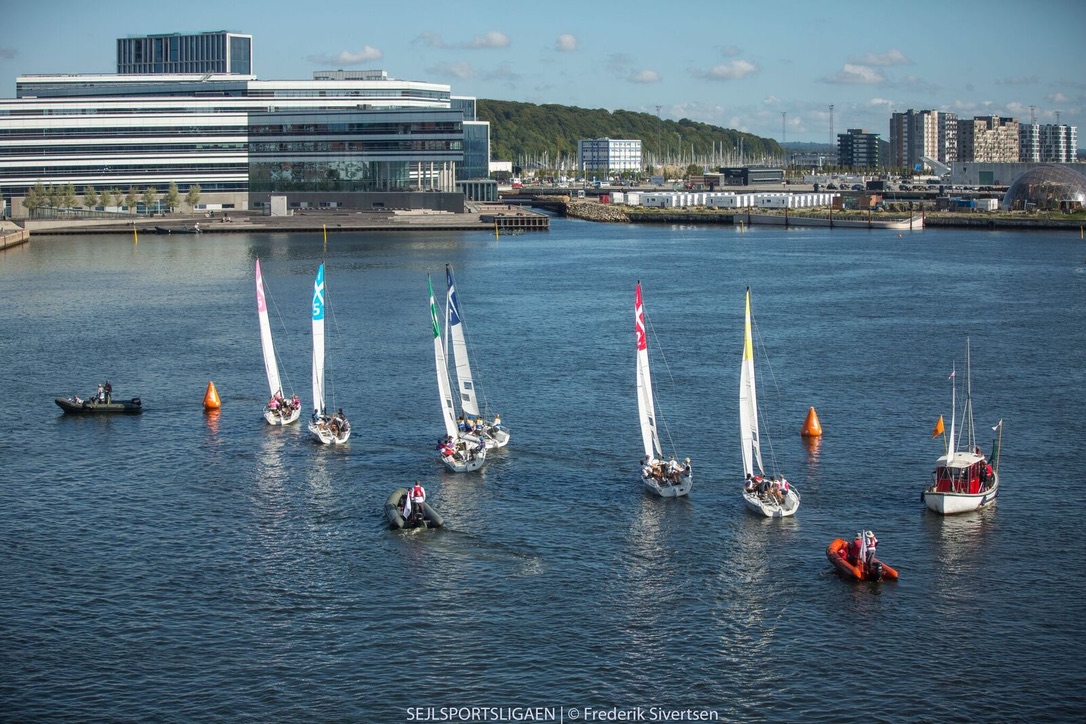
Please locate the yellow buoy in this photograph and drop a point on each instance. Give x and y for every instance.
(812, 428)
(211, 398)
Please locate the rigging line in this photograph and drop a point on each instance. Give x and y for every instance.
(660, 418)
(473, 359)
(330, 380)
(279, 317)
(776, 388)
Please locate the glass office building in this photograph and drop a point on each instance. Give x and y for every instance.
(236, 134)
(213, 52)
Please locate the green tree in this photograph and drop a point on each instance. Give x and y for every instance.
(149, 197)
(68, 197)
(130, 199)
(173, 197)
(193, 196)
(116, 196)
(36, 197)
(52, 196)
(90, 197)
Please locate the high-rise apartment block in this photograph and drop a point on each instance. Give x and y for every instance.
(858, 148)
(915, 135)
(1047, 143)
(988, 139)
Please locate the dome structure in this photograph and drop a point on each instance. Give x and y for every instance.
(1048, 187)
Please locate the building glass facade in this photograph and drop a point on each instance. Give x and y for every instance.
(213, 52)
(235, 134)
(608, 156)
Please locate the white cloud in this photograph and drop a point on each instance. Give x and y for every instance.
(1057, 98)
(853, 74)
(565, 43)
(890, 57)
(431, 39)
(645, 76)
(493, 39)
(734, 70)
(346, 57)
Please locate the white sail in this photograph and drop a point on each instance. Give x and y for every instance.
(748, 402)
(271, 368)
(646, 409)
(444, 386)
(318, 341)
(454, 324)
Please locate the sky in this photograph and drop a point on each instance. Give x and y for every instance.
(771, 68)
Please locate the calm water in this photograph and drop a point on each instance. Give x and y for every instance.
(178, 566)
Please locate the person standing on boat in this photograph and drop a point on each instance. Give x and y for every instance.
(100, 396)
(418, 495)
(870, 543)
(108, 389)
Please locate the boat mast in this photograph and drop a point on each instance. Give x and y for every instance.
(968, 415)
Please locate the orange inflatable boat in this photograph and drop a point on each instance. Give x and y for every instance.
(837, 553)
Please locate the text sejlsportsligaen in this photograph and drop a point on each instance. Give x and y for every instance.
(472, 714)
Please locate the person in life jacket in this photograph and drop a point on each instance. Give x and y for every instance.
(854, 549)
(418, 495)
(870, 542)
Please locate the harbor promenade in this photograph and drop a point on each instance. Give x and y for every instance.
(480, 217)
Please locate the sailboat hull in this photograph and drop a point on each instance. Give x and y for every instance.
(950, 503)
(770, 508)
(666, 489)
(273, 417)
(325, 436)
(474, 461)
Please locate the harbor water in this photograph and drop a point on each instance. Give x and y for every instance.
(188, 566)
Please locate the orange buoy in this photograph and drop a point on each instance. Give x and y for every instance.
(211, 398)
(812, 428)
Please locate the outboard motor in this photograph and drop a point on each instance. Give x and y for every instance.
(875, 570)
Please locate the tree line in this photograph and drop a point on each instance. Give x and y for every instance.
(547, 135)
(64, 196)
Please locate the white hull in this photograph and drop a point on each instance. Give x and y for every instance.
(275, 418)
(324, 435)
(493, 440)
(771, 509)
(954, 503)
(474, 462)
(669, 490)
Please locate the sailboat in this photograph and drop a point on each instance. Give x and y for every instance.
(325, 428)
(458, 454)
(667, 479)
(773, 497)
(964, 480)
(492, 432)
(279, 410)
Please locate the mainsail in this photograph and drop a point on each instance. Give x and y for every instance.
(748, 402)
(271, 368)
(318, 341)
(454, 324)
(647, 412)
(444, 387)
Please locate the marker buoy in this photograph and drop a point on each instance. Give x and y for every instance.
(811, 428)
(211, 398)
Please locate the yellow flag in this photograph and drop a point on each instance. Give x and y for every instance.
(938, 428)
